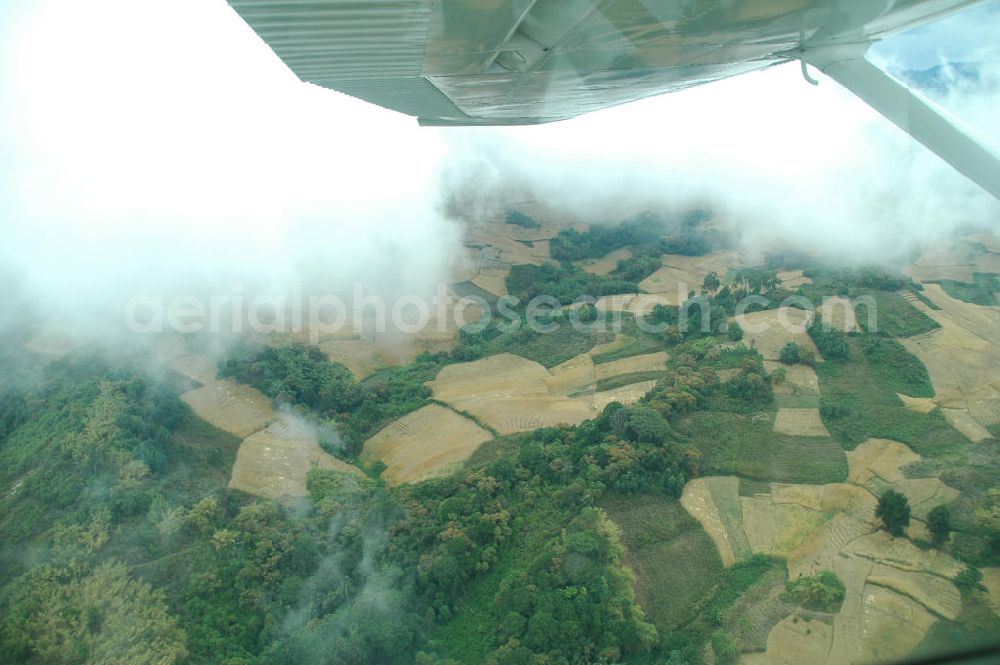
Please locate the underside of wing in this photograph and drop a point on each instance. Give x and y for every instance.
(466, 62)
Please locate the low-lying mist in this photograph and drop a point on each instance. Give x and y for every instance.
(162, 149)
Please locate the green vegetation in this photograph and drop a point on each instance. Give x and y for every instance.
(894, 510)
(895, 368)
(737, 580)
(690, 239)
(518, 218)
(830, 343)
(790, 353)
(600, 239)
(981, 292)
(565, 283)
(472, 290)
(823, 592)
(894, 316)
(918, 293)
(121, 542)
(549, 348)
(939, 524)
(676, 564)
(639, 267)
(733, 444)
(859, 400)
(75, 612)
(304, 375)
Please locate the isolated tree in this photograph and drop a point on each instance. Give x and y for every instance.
(711, 283)
(790, 353)
(587, 313)
(894, 511)
(735, 331)
(939, 524)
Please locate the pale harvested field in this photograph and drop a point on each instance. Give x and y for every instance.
(833, 527)
(233, 407)
(935, 593)
(275, 461)
(918, 404)
(838, 313)
(697, 500)
(987, 263)
(196, 366)
(492, 279)
(361, 356)
(793, 279)
(634, 303)
(628, 394)
(497, 376)
(800, 422)
(508, 249)
(879, 463)
(605, 264)
(619, 342)
(775, 528)
(882, 458)
(681, 274)
(904, 556)
(938, 263)
(799, 379)
(892, 625)
(795, 642)
(991, 580)
(963, 359)
(615, 303)
(770, 330)
(572, 376)
(964, 422)
(643, 303)
(512, 394)
(648, 362)
(522, 414)
(422, 444)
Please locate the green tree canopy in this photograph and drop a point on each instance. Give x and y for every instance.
(894, 511)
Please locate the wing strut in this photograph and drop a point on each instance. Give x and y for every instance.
(945, 135)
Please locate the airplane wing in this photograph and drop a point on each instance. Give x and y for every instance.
(509, 62)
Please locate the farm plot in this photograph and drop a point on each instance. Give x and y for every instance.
(799, 422)
(772, 329)
(838, 313)
(361, 356)
(275, 461)
(422, 444)
(675, 563)
(492, 279)
(793, 279)
(605, 264)
(627, 394)
(833, 527)
(513, 394)
(648, 362)
(195, 366)
(233, 407)
(681, 274)
(937, 263)
(799, 379)
(963, 360)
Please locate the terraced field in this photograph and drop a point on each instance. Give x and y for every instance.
(832, 527)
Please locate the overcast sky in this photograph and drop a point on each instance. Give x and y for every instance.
(149, 143)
